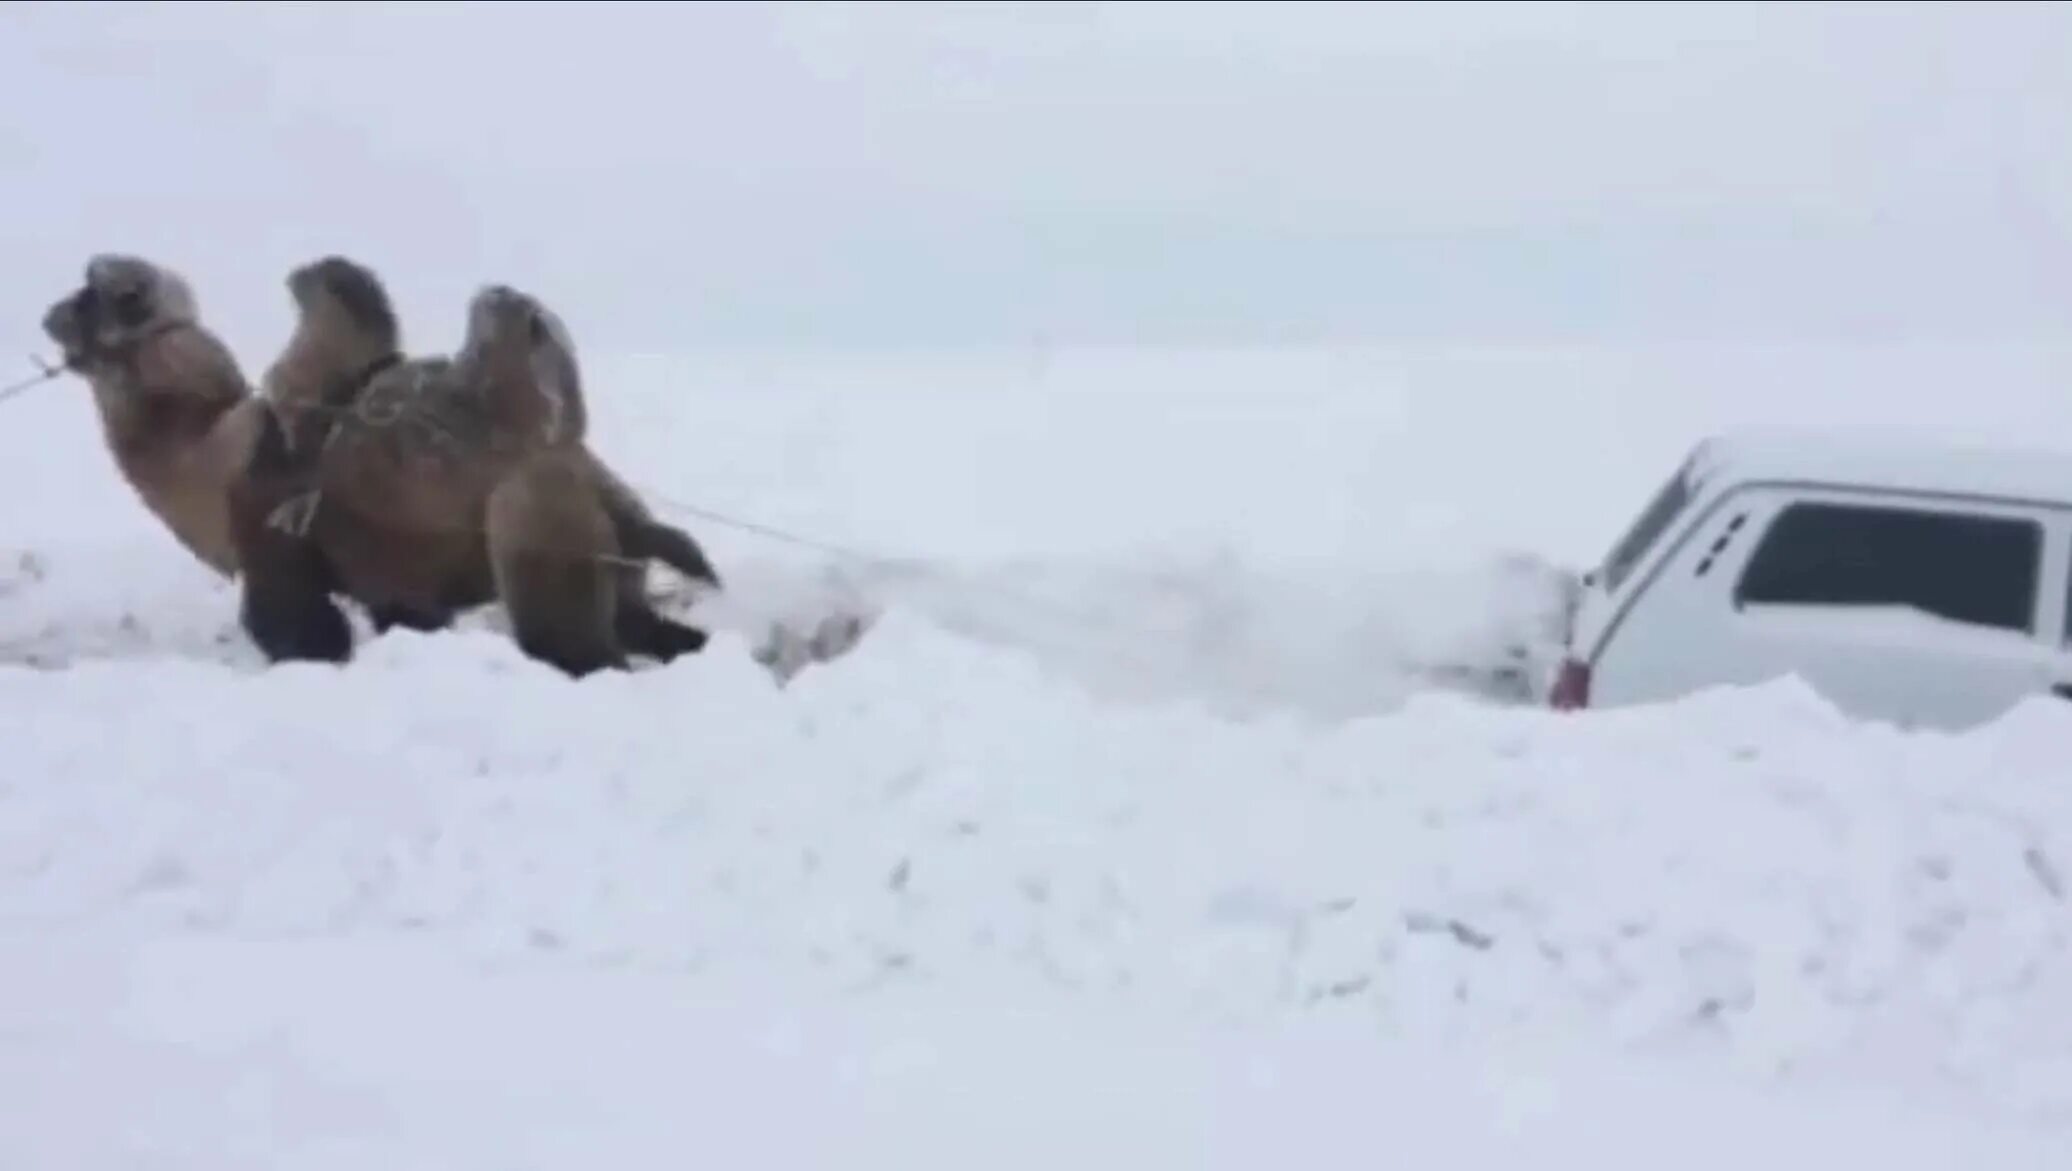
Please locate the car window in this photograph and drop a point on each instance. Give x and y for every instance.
(1668, 501)
(1966, 567)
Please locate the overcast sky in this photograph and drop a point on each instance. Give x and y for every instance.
(958, 174)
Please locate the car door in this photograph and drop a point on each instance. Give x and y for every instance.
(1924, 611)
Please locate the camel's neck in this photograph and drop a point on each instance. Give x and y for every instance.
(146, 425)
(176, 443)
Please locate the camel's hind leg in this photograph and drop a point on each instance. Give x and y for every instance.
(551, 549)
(643, 630)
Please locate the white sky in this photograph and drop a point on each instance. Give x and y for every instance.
(918, 174)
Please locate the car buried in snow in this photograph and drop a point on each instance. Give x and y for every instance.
(1916, 582)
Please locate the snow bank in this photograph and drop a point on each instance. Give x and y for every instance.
(1746, 873)
(331, 1055)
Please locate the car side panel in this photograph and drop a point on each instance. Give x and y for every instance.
(1683, 632)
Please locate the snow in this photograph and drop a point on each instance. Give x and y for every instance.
(1179, 809)
(203, 1076)
(1898, 628)
(746, 1075)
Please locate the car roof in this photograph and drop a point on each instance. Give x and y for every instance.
(1891, 458)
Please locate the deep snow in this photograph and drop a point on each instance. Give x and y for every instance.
(1140, 786)
(353, 1053)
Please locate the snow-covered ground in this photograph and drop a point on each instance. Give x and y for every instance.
(1180, 810)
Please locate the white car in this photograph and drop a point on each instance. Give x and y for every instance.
(1919, 583)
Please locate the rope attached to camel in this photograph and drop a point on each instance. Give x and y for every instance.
(48, 371)
(45, 372)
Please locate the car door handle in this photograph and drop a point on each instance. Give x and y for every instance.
(2061, 690)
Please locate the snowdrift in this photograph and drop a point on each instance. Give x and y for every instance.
(1746, 873)
(335, 1053)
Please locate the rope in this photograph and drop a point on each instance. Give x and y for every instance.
(1067, 621)
(44, 373)
(770, 532)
